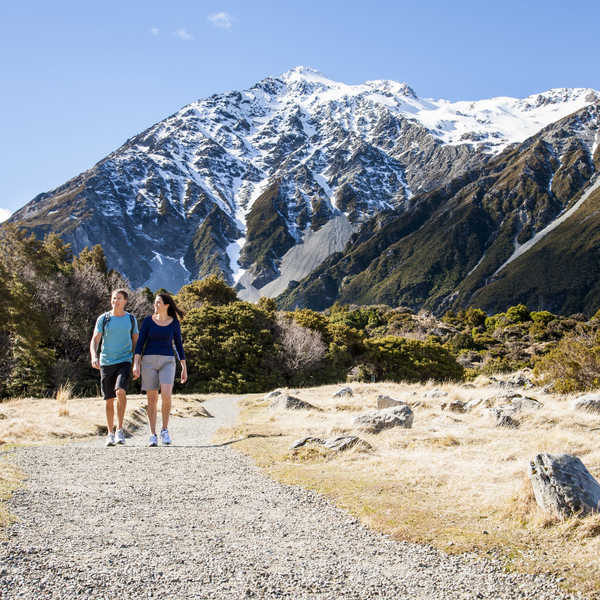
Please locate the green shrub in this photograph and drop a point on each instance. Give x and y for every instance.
(573, 365)
(518, 314)
(230, 348)
(401, 359)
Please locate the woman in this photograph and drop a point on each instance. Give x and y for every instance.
(157, 335)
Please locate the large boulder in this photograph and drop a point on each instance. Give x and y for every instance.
(563, 486)
(387, 401)
(376, 420)
(292, 403)
(587, 402)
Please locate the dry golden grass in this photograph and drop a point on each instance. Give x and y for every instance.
(454, 480)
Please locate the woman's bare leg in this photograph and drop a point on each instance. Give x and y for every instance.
(166, 389)
(152, 403)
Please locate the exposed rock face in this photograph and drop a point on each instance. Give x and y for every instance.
(587, 402)
(378, 420)
(563, 486)
(338, 444)
(457, 406)
(388, 401)
(292, 403)
(503, 417)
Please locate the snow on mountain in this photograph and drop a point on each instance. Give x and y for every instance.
(187, 193)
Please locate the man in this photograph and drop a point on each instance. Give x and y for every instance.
(118, 330)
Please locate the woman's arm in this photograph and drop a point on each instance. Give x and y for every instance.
(179, 348)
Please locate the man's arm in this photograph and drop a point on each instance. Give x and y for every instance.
(94, 348)
(134, 339)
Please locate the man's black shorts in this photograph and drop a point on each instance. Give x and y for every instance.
(113, 377)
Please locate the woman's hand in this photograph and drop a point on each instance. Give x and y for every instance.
(136, 366)
(183, 372)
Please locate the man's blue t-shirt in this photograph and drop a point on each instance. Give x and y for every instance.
(116, 342)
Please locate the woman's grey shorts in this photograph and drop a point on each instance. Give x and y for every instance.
(157, 369)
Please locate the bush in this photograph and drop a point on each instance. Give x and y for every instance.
(573, 365)
(401, 359)
(210, 290)
(231, 348)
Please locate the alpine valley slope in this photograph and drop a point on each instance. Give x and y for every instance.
(268, 184)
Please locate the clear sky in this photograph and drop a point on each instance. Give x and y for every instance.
(79, 78)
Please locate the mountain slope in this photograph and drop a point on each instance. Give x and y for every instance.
(450, 250)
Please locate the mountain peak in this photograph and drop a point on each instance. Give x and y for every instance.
(306, 73)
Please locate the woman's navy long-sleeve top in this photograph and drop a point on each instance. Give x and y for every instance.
(158, 339)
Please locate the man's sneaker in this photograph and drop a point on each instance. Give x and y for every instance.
(153, 440)
(110, 439)
(165, 438)
(120, 436)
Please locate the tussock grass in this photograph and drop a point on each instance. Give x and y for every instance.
(454, 480)
(63, 395)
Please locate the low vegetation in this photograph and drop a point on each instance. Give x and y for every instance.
(454, 480)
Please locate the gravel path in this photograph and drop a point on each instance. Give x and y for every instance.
(191, 521)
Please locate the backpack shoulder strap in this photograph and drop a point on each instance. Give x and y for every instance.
(132, 323)
(105, 320)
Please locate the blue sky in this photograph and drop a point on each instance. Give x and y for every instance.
(79, 78)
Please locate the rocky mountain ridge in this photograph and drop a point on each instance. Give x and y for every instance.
(264, 184)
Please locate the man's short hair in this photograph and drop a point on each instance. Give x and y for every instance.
(121, 291)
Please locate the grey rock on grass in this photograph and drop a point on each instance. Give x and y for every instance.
(587, 402)
(292, 403)
(339, 444)
(563, 486)
(345, 392)
(377, 420)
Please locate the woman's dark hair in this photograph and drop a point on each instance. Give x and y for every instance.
(172, 309)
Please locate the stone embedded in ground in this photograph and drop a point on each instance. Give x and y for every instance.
(376, 420)
(587, 402)
(503, 417)
(435, 393)
(457, 406)
(338, 444)
(563, 486)
(3, 416)
(292, 403)
(343, 393)
(387, 401)
(477, 403)
(526, 403)
(273, 394)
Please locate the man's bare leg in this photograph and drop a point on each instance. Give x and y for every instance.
(110, 414)
(121, 405)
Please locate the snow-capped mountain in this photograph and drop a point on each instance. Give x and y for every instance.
(264, 184)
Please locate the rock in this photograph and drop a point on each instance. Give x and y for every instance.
(376, 420)
(273, 394)
(526, 403)
(477, 403)
(292, 403)
(343, 393)
(457, 406)
(338, 444)
(587, 402)
(563, 486)
(306, 440)
(435, 393)
(387, 401)
(503, 417)
(2, 416)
